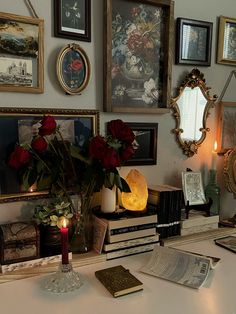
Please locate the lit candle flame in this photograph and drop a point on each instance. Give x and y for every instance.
(215, 146)
(64, 223)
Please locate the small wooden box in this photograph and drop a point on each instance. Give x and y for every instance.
(19, 241)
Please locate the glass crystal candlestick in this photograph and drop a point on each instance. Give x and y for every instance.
(64, 280)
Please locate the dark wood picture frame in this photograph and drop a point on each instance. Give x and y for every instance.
(137, 59)
(21, 54)
(226, 53)
(145, 144)
(73, 69)
(72, 19)
(193, 42)
(10, 134)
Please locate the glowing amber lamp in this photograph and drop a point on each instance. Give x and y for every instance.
(136, 200)
(64, 243)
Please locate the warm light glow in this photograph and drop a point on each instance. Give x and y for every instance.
(64, 223)
(137, 199)
(215, 146)
(33, 188)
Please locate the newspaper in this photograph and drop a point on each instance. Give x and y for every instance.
(178, 266)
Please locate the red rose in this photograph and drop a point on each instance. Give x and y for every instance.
(48, 126)
(39, 144)
(19, 157)
(76, 65)
(97, 147)
(127, 153)
(111, 159)
(120, 130)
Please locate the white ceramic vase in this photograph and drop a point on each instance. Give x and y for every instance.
(108, 200)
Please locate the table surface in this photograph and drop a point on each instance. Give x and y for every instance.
(159, 296)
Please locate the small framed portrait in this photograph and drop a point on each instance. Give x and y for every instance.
(145, 144)
(193, 42)
(226, 53)
(73, 69)
(72, 19)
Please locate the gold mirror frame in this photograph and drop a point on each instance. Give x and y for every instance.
(229, 170)
(194, 79)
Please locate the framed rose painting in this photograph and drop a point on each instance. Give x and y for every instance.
(138, 36)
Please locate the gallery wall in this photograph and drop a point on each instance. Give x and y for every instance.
(170, 159)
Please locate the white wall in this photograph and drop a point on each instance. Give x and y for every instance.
(171, 160)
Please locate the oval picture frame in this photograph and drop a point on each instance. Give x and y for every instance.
(73, 69)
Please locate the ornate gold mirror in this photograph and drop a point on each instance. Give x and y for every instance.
(190, 110)
(229, 170)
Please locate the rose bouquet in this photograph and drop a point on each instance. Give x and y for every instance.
(51, 163)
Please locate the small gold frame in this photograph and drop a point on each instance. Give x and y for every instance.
(74, 76)
(226, 53)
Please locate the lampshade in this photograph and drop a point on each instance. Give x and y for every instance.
(136, 200)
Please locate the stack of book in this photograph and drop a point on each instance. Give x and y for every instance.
(198, 222)
(129, 234)
(167, 201)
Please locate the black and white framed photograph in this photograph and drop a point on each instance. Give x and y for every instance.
(193, 188)
(193, 42)
(145, 144)
(228, 243)
(72, 19)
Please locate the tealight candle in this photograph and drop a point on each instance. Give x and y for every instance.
(64, 243)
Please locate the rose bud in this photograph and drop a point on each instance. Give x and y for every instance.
(19, 157)
(39, 144)
(111, 158)
(127, 153)
(120, 130)
(48, 126)
(97, 147)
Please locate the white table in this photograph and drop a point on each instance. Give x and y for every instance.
(158, 297)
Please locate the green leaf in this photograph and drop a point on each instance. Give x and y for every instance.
(125, 186)
(76, 153)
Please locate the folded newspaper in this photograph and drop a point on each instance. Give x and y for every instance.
(182, 267)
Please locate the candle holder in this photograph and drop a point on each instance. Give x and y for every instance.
(64, 280)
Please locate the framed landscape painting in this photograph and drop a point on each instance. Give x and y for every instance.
(21, 54)
(137, 63)
(193, 42)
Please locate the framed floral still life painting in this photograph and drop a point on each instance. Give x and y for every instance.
(226, 53)
(193, 42)
(73, 69)
(72, 19)
(137, 63)
(226, 126)
(21, 54)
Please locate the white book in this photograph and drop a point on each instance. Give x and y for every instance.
(200, 228)
(130, 235)
(32, 263)
(197, 219)
(130, 251)
(130, 243)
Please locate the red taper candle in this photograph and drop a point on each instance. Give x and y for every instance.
(64, 243)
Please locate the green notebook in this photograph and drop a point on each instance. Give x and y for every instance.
(118, 280)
